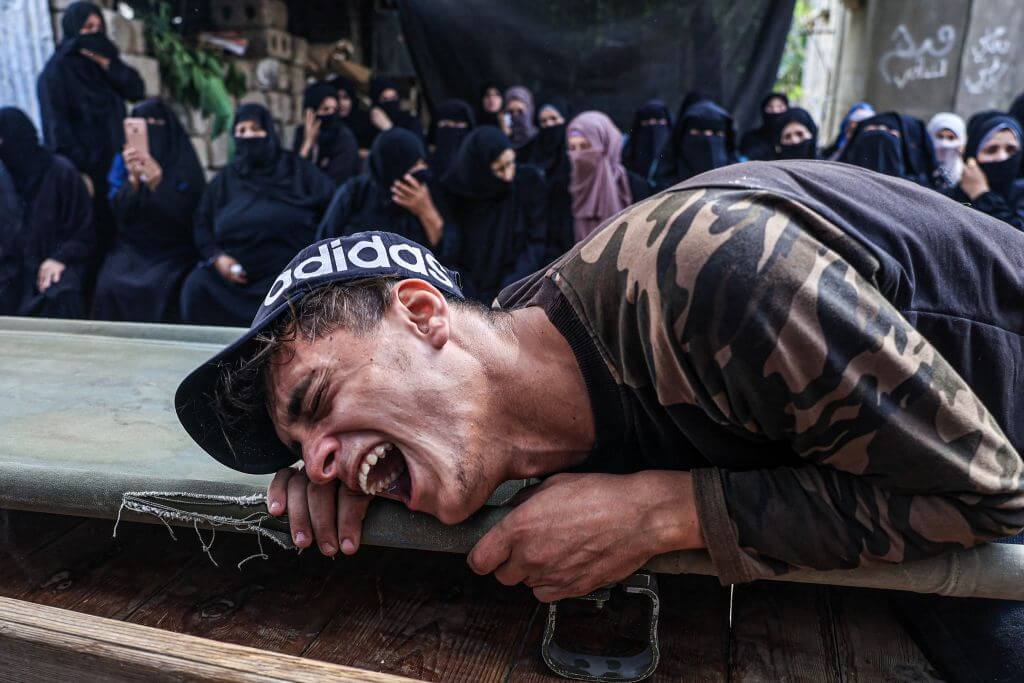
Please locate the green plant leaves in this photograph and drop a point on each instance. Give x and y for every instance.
(195, 77)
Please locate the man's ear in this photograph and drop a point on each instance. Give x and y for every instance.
(425, 309)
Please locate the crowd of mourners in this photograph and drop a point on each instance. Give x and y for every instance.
(498, 188)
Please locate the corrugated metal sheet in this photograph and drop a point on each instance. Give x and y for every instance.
(26, 42)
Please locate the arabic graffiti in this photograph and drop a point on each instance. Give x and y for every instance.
(908, 61)
(987, 61)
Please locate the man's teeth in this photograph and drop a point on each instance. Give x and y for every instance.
(371, 459)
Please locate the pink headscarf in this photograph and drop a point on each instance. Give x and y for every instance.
(598, 182)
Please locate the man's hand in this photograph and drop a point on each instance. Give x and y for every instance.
(973, 182)
(328, 513)
(50, 272)
(575, 533)
(104, 62)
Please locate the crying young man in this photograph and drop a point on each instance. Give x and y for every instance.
(793, 365)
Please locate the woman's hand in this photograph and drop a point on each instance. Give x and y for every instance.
(379, 119)
(50, 272)
(310, 133)
(142, 168)
(230, 269)
(973, 182)
(414, 197)
(104, 62)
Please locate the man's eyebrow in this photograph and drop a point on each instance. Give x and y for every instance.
(298, 397)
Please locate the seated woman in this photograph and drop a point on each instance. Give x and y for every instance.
(154, 197)
(517, 122)
(949, 138)
(453, 122)
(702, 138)
(847, 127)
(599, 184)
(760, 143)
(353, 115)
(323, 138)
(550, 155)
(797, 135)
(651, 129)
(879, 145)
(56, 239)
(990, 181)
(490, 105)
(387, 108)
(255, 214)
(395, 196)
(495, 232)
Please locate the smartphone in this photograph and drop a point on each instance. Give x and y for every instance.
(507, 118)
(136, 135)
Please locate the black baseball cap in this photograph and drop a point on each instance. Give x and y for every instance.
(251, 445)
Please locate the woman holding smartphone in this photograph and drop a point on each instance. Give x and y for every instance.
(155, 187)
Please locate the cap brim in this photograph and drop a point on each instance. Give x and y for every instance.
(248, 445)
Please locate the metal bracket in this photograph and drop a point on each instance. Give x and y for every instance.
(618, 609)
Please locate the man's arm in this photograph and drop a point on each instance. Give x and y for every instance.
(781, 340)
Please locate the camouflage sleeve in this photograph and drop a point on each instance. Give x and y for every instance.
(774, 335)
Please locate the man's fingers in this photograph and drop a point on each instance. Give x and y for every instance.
(298, 512)
(277, 492)
(551, 593)
(510, 574)
(322, 510)
(491, 551)
(351, 512)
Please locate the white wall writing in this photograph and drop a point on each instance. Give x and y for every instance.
(987, 61)
(908, 61)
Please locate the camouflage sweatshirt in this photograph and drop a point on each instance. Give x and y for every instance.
(738, 333)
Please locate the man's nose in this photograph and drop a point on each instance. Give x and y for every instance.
(322, 460)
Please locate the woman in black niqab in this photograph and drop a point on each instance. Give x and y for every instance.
(46, 259)
(453, 122)
(82, 103)
(549, 154)
(990, 182)
(329, 144)
(377, 201)
(352, 113)
(878, 145)
(154, 251)
(392, 107)
(495, 232)
(759, 144)
(797, 135)
(254, 216)
(490, 105)
(703, 138)
(651, 130)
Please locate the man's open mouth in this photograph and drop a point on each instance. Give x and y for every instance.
(383, 472)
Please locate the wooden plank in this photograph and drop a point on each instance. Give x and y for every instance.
(90, 571)
(783, 632)
(693, 635)
(873, 646)
(425, 615)
(22, 533)
(41, 643)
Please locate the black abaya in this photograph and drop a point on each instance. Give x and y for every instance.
(260, 210)
(446, 139)
(759, 144)
(336, 152)
(357, 120)
(393, 108)
(497, 232)
(364, 203)
(1005, 198)
(646, 141)
(82, 106)
(56, 222)
(686, 155)
(154, 251)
